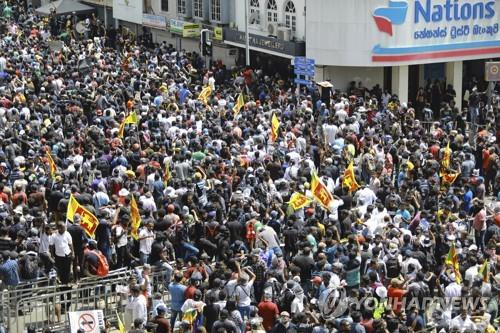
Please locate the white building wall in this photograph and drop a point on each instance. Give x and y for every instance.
(262, 28)
(341, 76)
(156, 6)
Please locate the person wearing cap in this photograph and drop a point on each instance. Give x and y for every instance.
(161, 320)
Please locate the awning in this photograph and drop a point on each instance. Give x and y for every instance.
(64, 7)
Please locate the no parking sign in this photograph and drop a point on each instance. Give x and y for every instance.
(89, 321)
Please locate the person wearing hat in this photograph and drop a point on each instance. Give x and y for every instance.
(161, 320)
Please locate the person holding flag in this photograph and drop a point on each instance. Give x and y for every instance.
(452, 261)
(130, 119)
(275, 126)
(240, 102)
(205, 93)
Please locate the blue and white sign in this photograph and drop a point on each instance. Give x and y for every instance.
(304, 70)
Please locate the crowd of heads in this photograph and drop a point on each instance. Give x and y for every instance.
(212, 187)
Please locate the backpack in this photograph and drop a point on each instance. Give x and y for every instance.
(29, 268)
(285, 301)
(102, 268)
(103, 166)
(393, 267)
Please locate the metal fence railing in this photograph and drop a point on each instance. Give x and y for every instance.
(45, 304)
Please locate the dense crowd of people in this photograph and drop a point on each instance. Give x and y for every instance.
(293, 211)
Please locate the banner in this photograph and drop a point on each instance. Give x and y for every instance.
(135, 218)
(89, 222)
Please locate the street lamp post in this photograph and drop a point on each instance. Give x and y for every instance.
(247, 40)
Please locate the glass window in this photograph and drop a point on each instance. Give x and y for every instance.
(198, 8)
(215, 10)
(164, 5)
(181, 7)
(255, 12)
(290, 16)
(272, 11)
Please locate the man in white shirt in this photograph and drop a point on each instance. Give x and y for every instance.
(146, 238)
(137, 307)
(44, 248)
(462, 322)
(63, 252)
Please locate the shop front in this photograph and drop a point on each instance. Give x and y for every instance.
(273, 55)
(402, 45)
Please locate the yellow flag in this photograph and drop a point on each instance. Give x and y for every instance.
(167, 175)
(135, 218)
(484, 271)
(121, 327)
(240, 102)
(298, 200)
(349, 180)
(130, 119)
(88, 220)
(275, 126)
(320, 191)
(52, 164)
(446, 156)
(205, 94)
(452, 260)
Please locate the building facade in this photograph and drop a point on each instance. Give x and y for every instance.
(402, 44)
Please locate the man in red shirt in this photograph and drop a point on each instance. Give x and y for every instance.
(269, 312)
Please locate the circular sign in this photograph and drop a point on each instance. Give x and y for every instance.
(494, 69)
(87, 322)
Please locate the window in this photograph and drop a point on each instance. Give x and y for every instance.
(181, 7)
(164, 5)
(215, 10)
(254, 12)
(272, 11)
(198, 8)
(290, 16)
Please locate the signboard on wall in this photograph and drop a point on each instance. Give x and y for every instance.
(154, 21)
(128, 10)
(492, 71)
(186, 29)
(382, 32)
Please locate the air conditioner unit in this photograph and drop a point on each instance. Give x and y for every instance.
(284, 34)
(272, 29)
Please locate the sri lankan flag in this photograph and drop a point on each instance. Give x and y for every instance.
(349, 180)
(320, 191)
(275, 126)
(298, 201)
(167, 175)
(205, 94)
(448, 177)
(240, 102)
(89, 222)
(135, 218)
(52, 164)
(130, 119)
(452, 260)
(446, 156)
(485, 271)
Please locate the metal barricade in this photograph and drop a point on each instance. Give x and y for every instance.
(44, 304)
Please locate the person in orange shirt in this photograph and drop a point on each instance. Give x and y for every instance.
(395, 293)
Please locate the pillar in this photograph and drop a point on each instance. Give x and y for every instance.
(457, 82)
(319, 74)
(421, 76)
(400, 82)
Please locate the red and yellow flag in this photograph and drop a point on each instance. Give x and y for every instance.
(275, 126)
(349, 180)
(446, 156)
(448, 177)
(452, 260)
(130, 119)
(298, 200)
(135, 218)
(89, 222)
(240, 102)
(205, 94)
(52, 164)
(320, 191)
